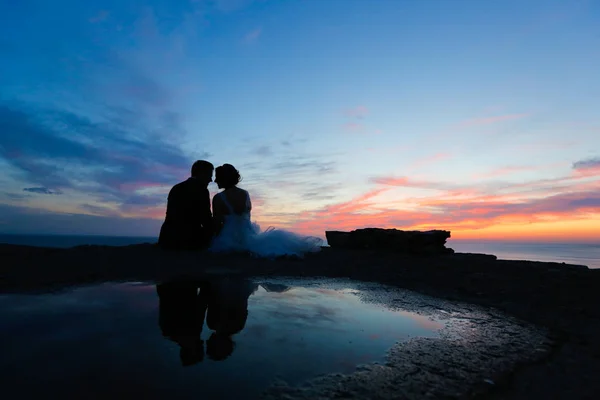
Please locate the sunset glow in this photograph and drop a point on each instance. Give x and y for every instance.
(480, 118)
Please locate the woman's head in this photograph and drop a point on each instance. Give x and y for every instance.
(227, 176)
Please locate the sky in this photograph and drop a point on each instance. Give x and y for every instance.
(480, 117)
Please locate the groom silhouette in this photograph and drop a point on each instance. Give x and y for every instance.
(188, 222)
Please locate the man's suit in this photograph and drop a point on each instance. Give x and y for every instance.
(188, 224)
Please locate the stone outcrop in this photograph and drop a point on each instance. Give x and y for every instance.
(408, 242)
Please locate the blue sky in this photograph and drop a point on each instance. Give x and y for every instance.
(387, 105)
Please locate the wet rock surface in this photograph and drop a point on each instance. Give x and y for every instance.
(564, 299)
(408, 242)
(476, 348)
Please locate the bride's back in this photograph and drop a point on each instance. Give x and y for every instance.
(232, 201)
(238, 200)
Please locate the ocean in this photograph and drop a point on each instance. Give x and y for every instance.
(571, 253)
(65, 241)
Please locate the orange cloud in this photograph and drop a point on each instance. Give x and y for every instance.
(533, 209)
(356, 204)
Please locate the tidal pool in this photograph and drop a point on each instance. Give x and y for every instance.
(227, 339)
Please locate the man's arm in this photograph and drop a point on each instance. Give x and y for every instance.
(165, 236)
(206, 217)
(173, 206)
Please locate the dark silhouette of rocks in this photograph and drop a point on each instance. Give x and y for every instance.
(560, 297)
(407, 242)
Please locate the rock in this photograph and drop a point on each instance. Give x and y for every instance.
(475, 257)
(409, 242)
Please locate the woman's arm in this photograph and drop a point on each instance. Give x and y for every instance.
(248, 203)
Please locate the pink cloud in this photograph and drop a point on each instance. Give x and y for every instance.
(405, 181)
(391, 181)
(430, 160)
(154, 212)
(513, 169)
(504, 171)
(490, 120)
(135, 186)
(355, 204)
(354, 127)
(587, 168)
(388, 149)
(358, 112)
(101, 16)
(354, 124)
(253, 35)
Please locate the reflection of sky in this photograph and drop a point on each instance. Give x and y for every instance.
(108, 336)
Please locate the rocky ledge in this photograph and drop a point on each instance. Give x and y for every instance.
(407, 242)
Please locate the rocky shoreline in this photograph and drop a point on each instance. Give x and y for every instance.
(562, 298)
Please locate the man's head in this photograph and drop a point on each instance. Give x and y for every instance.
(203, 170)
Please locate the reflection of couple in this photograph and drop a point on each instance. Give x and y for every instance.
(183, 307)
(190, 225)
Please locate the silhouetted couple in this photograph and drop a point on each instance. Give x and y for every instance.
(184, 306)
(190, 224)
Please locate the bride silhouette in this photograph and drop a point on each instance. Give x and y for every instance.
(237, 233)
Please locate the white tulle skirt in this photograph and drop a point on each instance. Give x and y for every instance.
(240, 234)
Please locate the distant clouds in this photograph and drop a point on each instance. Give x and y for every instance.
(332, 127)
(503, 171)
(16, 196)
(355, 120)
(587, 168)
(111, 159)
(264, 151)
(253, 35)
(490, 120)
(358, 112)
(101, 16)
(229, 5)
(26, 220)
(587, 164)
(404, 181)
(423, 162)
(292, 176)
(460, 207)
(354, 127)
(42, 190)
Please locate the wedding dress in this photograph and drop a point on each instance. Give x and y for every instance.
(240, 234)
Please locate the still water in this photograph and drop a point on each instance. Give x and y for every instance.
(229, 340)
